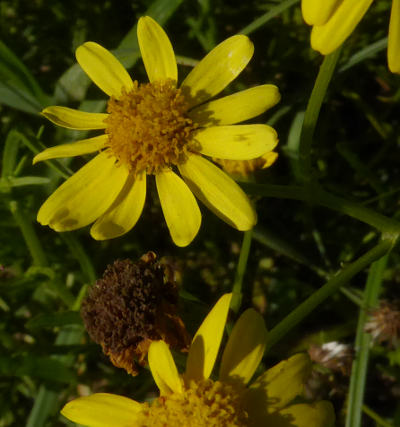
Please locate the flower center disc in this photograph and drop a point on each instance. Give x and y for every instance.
(203, 403)
(148, 129)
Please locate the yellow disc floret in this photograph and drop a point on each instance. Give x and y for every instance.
(148, 129)
(204, 403)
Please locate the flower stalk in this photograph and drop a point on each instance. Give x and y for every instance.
(312, 113)
(322, 198)
(330, 287)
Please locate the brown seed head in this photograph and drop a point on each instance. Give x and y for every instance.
(131, 306)
(384, 323)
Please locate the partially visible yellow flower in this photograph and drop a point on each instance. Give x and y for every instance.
(334, 20)
(158, 129)
(195, 400)
(245, 168)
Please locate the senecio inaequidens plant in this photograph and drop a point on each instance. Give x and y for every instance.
(176, 133)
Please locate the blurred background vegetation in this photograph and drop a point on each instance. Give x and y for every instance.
(45, 356)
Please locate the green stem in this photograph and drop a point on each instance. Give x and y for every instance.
(377, 418)
(312, 112)
(29, 234)
(320, 197)
(305, 308)
(362, 345)
(240, 271)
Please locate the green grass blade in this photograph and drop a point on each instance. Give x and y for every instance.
(366, 53)
(18, 88)
(78, 251)
(362, 344)
(277, 243)
(29, 234)
(47, 402)
(263, 19)
(9, 160)
(11, 182)
(240, 271)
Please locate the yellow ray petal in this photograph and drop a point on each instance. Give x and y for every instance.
(102, 410)
(103, 68)
(244, 349)
(156, 49)
(75, 119)
(77, 148)
(236, 142)
(217, 69)
(236, 108)
(328, 37)
(125, 211)
(84, 196)
(179, 206)
(320, 414)
(218, 192)
(269, 159)
(317, 12)
(278, 386)
(163, 368)
(394, 38)
(206, 342)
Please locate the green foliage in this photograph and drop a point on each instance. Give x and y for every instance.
(327, 209)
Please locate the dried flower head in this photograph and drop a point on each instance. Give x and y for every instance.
(333, 355)
(329, 376)
(131, 306)
(384, 323)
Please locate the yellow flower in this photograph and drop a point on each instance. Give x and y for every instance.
(195, 400)
(334, 20)
(156, 129)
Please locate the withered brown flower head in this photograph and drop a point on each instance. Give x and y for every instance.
(131, 306)
(384, 323)
(333, 355)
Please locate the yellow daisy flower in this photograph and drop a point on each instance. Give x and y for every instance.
(195, 400)
(156, 129)
(334, 20)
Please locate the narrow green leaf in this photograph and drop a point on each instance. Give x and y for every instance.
(78, 251)
(36, 146)
(47, 402)
(18, 99)
(278, 244)
(19, 88)
(11, 182)
(31, 239)
(10, 153)
(272, 13)
(240, 271)
(362, 345)
(365, 53)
